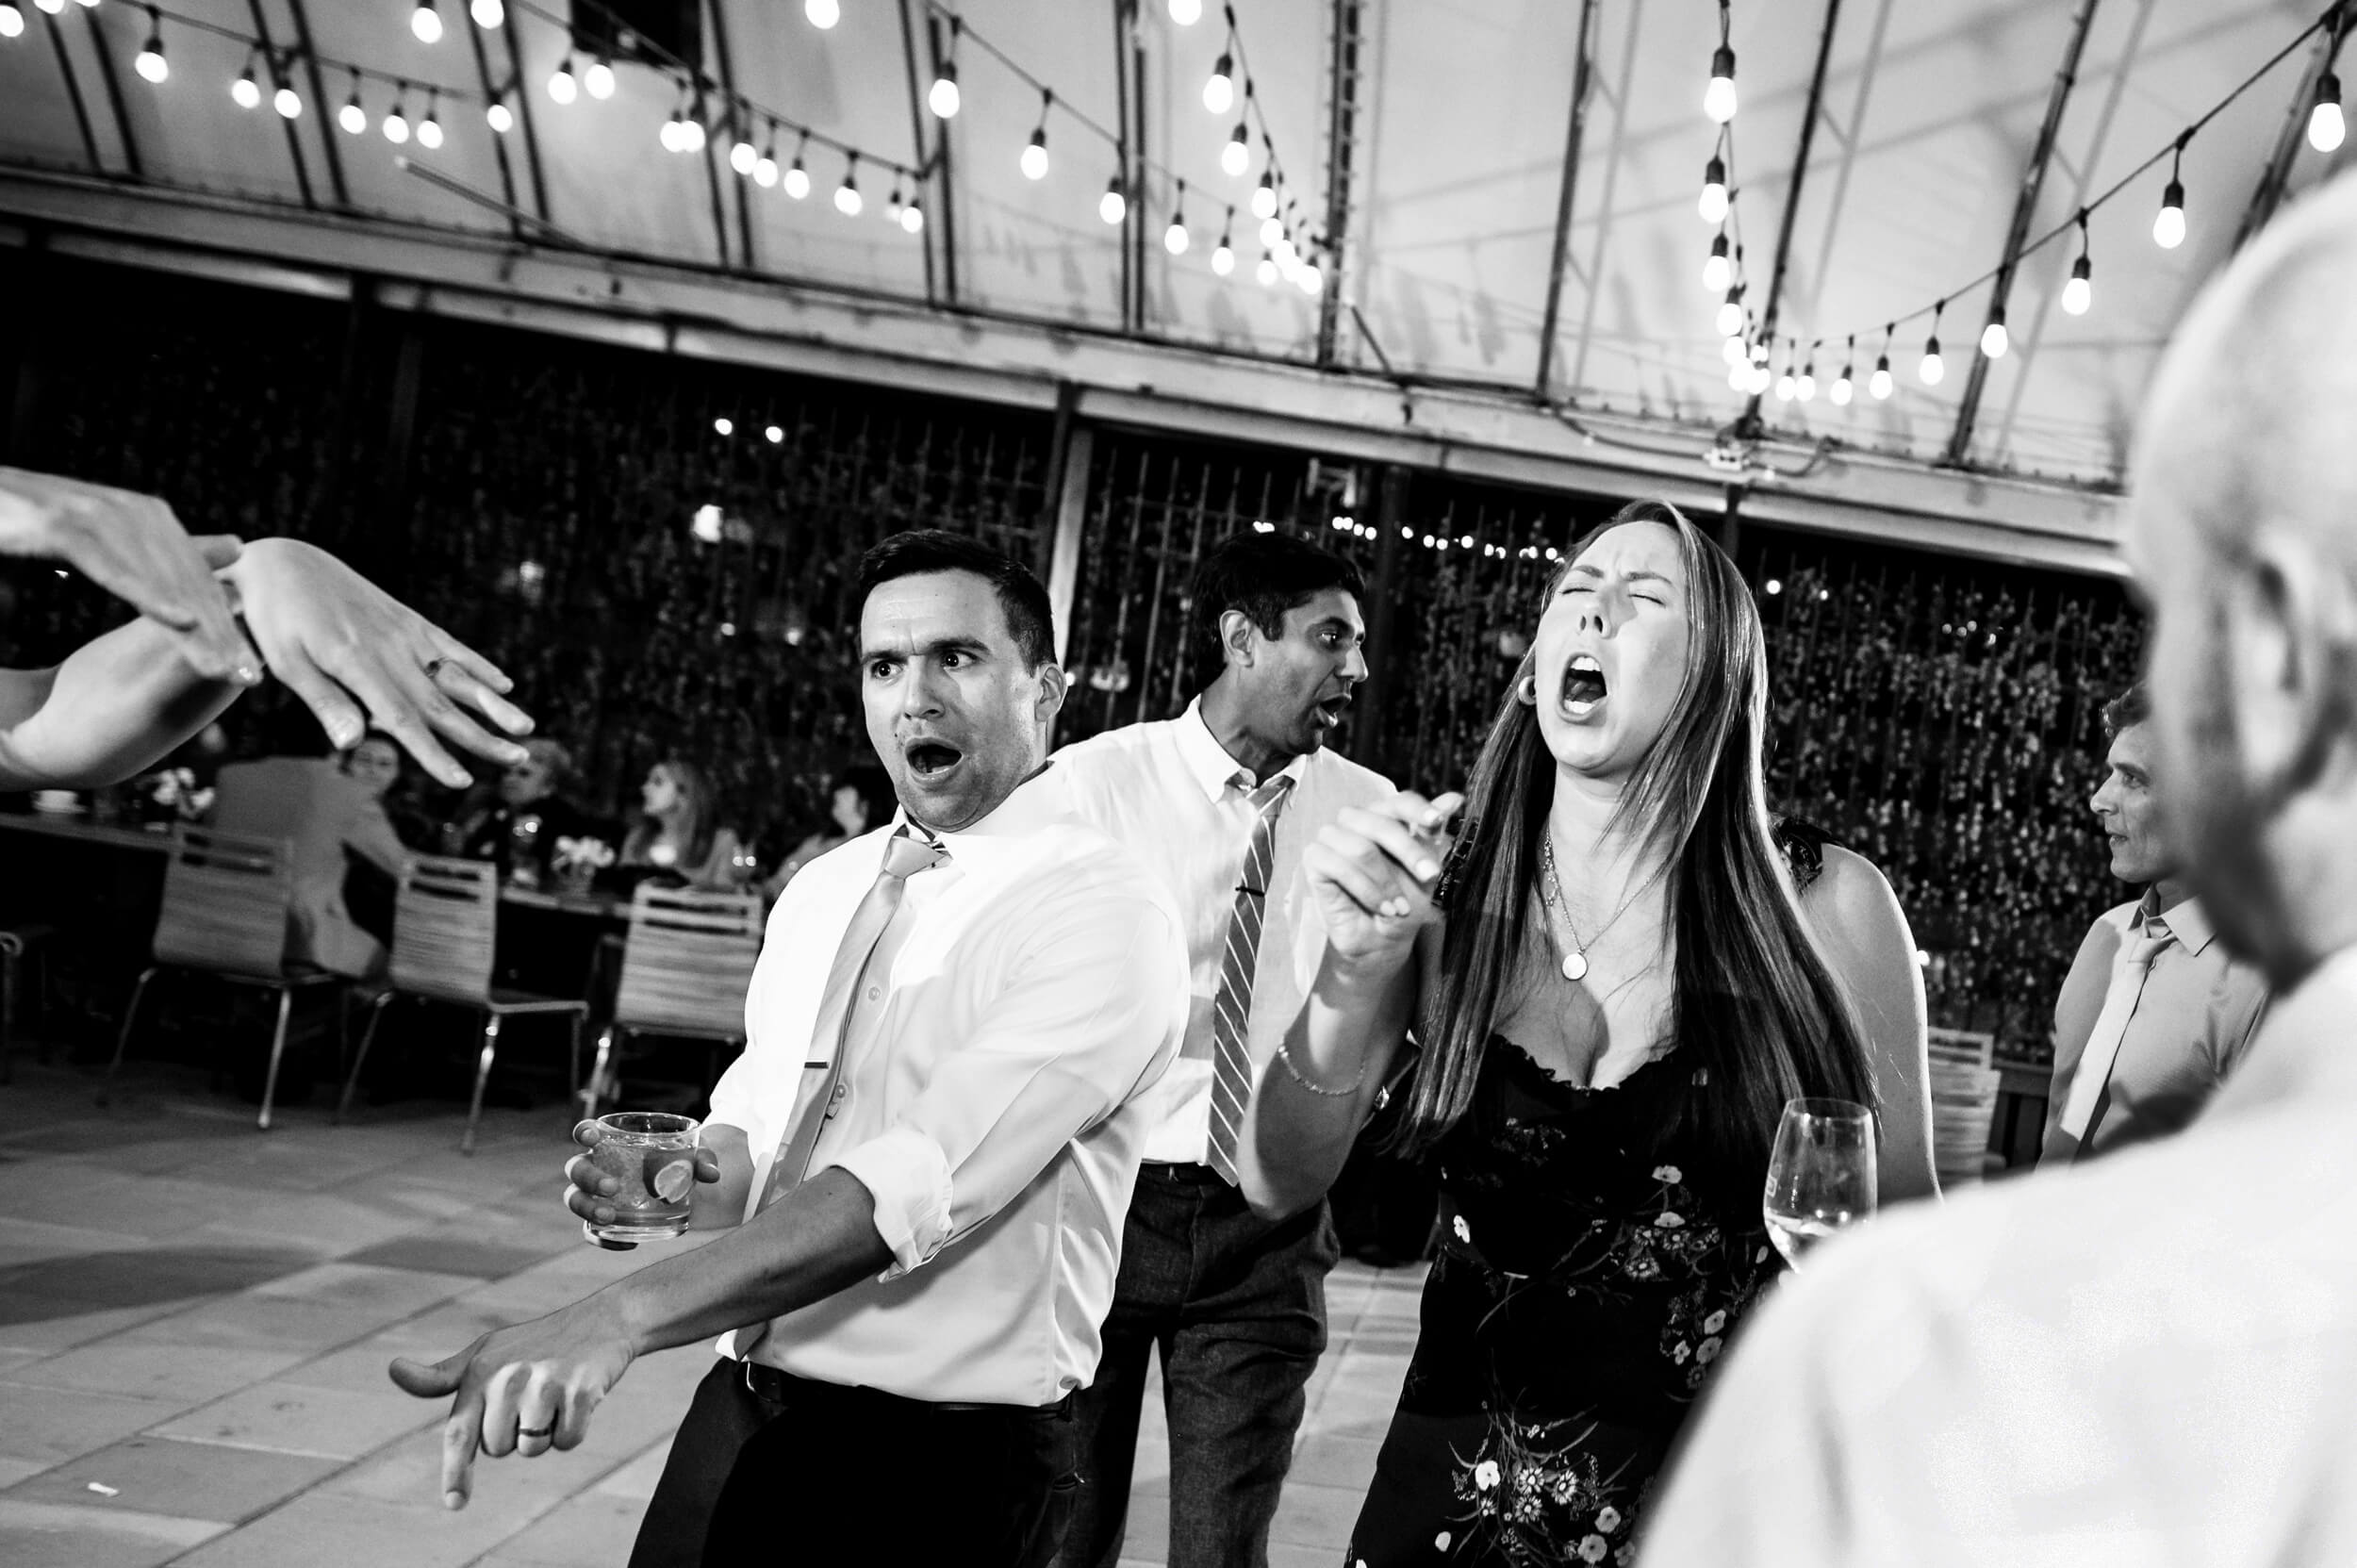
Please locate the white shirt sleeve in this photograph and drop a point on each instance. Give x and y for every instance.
(1091, 1006)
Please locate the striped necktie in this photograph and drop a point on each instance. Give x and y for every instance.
(1231, 1005)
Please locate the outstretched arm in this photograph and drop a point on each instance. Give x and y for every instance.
(116, 704)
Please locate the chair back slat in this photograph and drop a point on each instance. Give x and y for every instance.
(1964, 1087)
(446, 928)
(225, 902)
(688, 960)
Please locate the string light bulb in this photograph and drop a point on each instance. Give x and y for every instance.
(942, 97)
(151, 62)
(1879, 383)
(1712, 206)
(913, 216)
(765, 165)
(245, 92)
(823, 14)
(1311, 279)
(1717, 271)
(846, 200)
(1186, 13)
(1993, 340)
(892, 205)
(1224, 254)
(430, 128)
(1264, 193)
(1719, 100)
(1035, 153)
(287, 101)
(1174, 239)
(352, 117)
(499, 117)
(1740, 375)
(2168, 224)
(1265, 274)
(1932, 368)
(1236, 157)
(488, 14)
(2079, 292)
(426, 22)
(743, 155)
(1113, 206)
(1760, 379)
(11, 20)
(52, 6)
(561, 85)
(674, 132)
(1733, 350)
(598, 78)
(796, 179)
(2327, 131)
(1788, 386)
(396, 125)
(692, 130)
(1219, 90)
(1841, 392)
(1806, 389)
(1731, 312)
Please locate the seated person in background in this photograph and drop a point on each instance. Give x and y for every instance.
(860, 799)
(376, 764)
(329, 818)
(675, 831)
(2153, 1013)
(528, 816)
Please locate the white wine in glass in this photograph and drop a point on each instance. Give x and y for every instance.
(1820, 1177)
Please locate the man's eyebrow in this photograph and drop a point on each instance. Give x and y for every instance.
(937, 646)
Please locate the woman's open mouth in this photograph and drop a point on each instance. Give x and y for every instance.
(1584, 689)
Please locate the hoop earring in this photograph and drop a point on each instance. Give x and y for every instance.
(1527, 690)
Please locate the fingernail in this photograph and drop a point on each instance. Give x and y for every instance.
(344, 733)
(246, 675)
(1431, 819)
(454, 1500)
(1427, 869)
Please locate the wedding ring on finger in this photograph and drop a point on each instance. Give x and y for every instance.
(536, 1431)
(434, 668)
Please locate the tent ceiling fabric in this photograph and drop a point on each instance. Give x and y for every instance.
(1929, 115)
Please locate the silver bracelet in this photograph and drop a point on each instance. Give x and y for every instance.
(1286, 1057)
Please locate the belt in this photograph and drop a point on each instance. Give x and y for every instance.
(779, 1387)
(1187, 1172)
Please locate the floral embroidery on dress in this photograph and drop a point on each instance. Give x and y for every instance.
(1538, 1495)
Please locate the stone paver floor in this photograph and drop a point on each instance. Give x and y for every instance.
(195, 1318)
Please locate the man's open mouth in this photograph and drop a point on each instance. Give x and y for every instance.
(1583, 682)
(1329, 712)
(930, 758)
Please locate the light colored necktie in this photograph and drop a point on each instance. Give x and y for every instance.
(822, 1071)
(1232, 1005)
(2129, 973)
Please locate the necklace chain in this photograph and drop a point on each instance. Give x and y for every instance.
(1551, 894)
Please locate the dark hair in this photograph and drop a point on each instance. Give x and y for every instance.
(1753, 1007)
(2126, 711)
(1021, 598)
(700, 818)
(1265, 575)
(873, 786)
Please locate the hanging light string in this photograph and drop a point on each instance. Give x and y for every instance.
(2170, 151)
(278, 58)
(1260, 119)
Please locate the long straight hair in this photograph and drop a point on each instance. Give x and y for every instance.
(1754, 1005)
(696, 820)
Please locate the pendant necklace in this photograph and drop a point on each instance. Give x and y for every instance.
(1551, 894)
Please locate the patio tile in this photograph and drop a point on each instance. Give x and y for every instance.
(44, 1325)
(192, 1480)
(356, 1284)
(252, 1321)
(56, 1535)
(451, 1254)
(591, 1528)
(635, 1480)
(1321, 1516)
(362, 1531)
(182, 1374)
(54, 1425)
(289, 1418)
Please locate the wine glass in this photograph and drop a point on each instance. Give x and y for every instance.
(1820, 1179)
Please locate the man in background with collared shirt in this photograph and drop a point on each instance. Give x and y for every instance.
(2150, 1358)
(1220, 802)
(2155, 1012)
(930, 1140)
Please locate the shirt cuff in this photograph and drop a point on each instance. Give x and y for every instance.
(908, 1176)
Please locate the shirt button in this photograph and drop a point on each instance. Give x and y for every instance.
(874, 992)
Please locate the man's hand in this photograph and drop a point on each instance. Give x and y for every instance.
(587, 1187)
(1372, 874)
(344, 644)
(132, 546)
(525, 1389)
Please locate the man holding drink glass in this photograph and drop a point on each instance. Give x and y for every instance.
(926, 1150)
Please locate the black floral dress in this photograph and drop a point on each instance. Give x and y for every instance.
(1584, 1291)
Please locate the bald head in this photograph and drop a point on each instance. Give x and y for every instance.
(2243, 534)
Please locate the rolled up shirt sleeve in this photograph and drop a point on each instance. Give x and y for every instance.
(1090, 1013)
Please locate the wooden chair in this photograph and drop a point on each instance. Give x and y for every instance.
(445, 936)
(16, 942)
(686, 967)
(1964, 1085)
(224, 914)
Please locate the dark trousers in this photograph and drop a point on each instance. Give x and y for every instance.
(790, 1470)
(1237, 1308)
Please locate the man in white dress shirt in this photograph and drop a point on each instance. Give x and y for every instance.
(929, 1141)
(1220, 802)
(2150, 1358)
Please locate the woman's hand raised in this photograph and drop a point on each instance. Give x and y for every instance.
(1372, 874)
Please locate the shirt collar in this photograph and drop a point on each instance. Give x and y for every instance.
(2187, 921)
(1038, 802)
(1212, 768)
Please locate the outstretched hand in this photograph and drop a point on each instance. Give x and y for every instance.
(520, 1390)
(1372, 875)
(134, 546)
(587, 1188)
(349, 649)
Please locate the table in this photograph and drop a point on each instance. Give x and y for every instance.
(76, 826)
